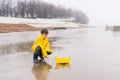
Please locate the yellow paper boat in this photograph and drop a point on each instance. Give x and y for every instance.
(62, 60)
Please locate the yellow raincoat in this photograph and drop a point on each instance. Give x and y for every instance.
(43, 43)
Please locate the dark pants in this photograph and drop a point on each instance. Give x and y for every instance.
(38, 52)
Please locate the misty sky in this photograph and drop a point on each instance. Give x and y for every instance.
(100, 12)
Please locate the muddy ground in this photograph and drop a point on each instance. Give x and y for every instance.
(5, 28)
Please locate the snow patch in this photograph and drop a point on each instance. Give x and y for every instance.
(39, 22)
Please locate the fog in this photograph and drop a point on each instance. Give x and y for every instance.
(100, 12)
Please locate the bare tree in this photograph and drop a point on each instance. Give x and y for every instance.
(80, 17)
(3, 7)
(40, 9)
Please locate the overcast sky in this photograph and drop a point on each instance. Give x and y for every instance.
(100, 12)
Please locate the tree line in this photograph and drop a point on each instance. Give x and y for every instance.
(39, 9)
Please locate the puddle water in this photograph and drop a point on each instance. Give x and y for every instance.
(95, 55)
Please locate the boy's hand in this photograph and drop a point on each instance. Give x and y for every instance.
(46, 57)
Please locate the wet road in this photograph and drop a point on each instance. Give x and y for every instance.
(95, 55)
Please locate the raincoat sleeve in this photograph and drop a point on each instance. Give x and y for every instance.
(48, 46)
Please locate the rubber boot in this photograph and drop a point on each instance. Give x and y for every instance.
(35, 58)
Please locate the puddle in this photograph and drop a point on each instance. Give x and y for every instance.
(95, 55)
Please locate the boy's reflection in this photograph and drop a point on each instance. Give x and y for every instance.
(41, 70)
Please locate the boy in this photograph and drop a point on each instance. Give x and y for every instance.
(41, 47)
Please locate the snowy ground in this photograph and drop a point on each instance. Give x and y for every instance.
(41, 22)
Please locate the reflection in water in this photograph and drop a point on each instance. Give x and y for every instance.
(21, 46)
(41, 70)
(63, 66)
(17, 47)
(53, 39)
(116, 34)
(56, 47)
